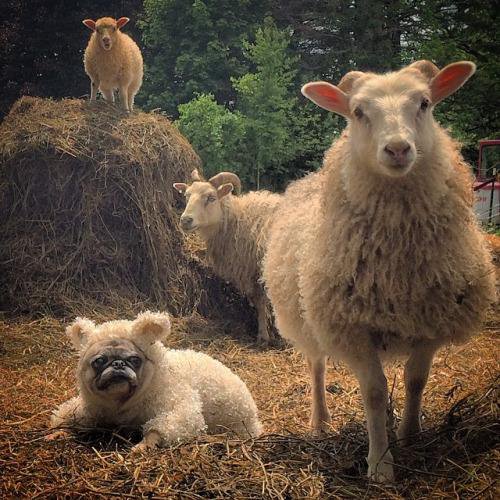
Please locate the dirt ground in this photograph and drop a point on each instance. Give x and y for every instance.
(457, 455)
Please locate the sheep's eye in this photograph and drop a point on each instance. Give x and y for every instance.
(211, 198)
(424, 104)
(358, 113)
(135, 361)
(99, 362)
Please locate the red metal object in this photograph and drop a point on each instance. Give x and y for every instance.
(487, 185)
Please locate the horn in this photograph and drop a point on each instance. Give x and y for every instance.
(195, 175)
(426, 68)
(226, 178)
(347, 81)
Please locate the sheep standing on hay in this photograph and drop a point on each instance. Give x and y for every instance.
(234, 229)
(113, 61)
(379, 253)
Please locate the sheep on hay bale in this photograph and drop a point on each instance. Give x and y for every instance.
(87, 214)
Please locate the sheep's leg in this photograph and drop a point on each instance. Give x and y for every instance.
(373, 385)
(416, 374)
(124, 98)
(94, 87)
(261, 306)
(131, 101)
(320, 416)
(108, 95)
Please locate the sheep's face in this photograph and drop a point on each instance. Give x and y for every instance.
(106, 29)
(390, 115)
(203, 205)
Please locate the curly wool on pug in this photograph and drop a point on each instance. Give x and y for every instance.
(127, 377)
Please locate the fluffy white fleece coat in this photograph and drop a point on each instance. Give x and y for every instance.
(189, 392)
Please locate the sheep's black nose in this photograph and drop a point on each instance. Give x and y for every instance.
(118, 364)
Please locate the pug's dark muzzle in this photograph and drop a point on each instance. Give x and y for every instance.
(112, 375)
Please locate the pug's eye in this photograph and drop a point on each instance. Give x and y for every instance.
(99, 362)
(424, 104)
(135, 361)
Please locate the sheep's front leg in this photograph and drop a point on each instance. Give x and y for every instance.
(94, 87)
(373, 384)
(124, 98)
(416, 374)
(320, 416)
(183, 423)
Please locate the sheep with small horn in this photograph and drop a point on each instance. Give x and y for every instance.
(234, 229)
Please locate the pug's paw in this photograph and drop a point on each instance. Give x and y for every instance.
(60, 434)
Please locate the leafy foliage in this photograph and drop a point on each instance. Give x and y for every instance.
(195, 47)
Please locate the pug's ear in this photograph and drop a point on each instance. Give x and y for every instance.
(79, 331)
(150, 327)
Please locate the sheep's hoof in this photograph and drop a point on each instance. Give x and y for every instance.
(406, 433)
(320, 427)
(382, 471)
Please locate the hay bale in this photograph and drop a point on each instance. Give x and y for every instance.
(88, 217)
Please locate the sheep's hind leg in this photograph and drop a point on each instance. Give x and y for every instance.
(262, 318)
(416, 374)
(108, 95)
(373, 384)
(320, 416)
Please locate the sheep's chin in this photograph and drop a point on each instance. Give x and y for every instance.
(395, 171)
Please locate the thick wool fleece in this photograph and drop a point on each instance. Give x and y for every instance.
(190, 393)
(236, 248)
(120, 67)
(352, 252)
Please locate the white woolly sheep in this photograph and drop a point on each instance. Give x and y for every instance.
(128, 378)
(379, 253)
(112, 61)
(235, 231)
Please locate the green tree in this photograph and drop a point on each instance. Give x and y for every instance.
(266, 99)
(194, 47)
(215, 133)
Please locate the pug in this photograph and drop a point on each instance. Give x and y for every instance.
(128, 378)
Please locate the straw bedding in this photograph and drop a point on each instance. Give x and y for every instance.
(456, 456)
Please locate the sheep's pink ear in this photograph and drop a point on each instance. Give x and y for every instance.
(79, 331)
(89, 23)
(224, 190)
(180, 187)
(327, 96)
(149, 327)
(450, 79)
(120, 23)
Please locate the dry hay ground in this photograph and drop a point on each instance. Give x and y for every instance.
(456, 456)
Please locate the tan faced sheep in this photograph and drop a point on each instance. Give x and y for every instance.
(235, 231)
(379, 253)
(113, 61)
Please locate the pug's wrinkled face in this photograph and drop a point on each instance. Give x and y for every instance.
(114, 369)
